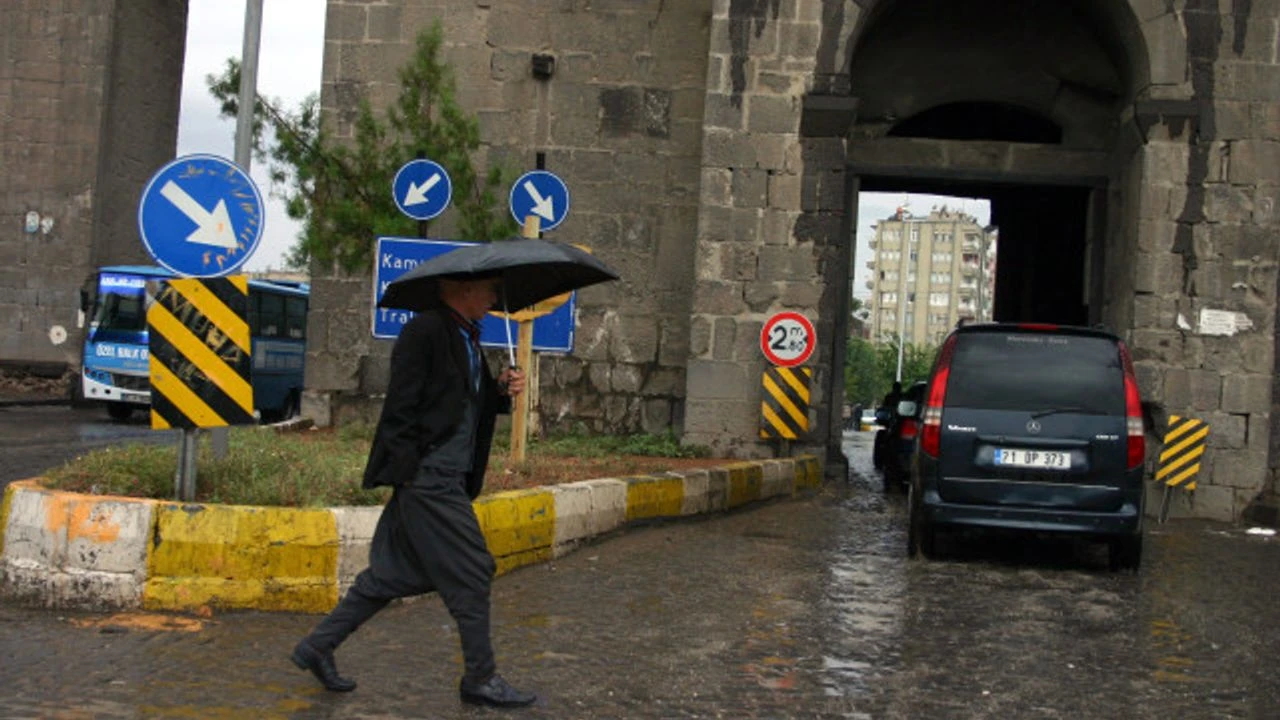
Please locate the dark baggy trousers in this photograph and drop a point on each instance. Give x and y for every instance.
(428, 538)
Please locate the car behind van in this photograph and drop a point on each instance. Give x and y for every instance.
(1034, 428)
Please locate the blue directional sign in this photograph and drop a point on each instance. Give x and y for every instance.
(551, 333)
(540, 193)
(422, 189)
(201, 216)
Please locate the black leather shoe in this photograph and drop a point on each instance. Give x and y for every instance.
(321, 664)
(496, 692)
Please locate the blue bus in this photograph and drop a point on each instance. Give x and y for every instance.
(115, 361)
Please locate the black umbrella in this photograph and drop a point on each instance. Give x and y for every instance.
(531, 271)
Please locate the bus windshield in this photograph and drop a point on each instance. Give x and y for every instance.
(121, 303)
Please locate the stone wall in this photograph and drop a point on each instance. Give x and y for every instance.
(88, 111)
(620, 121)
(710, 153)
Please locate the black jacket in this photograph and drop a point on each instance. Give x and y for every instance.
(425, 396)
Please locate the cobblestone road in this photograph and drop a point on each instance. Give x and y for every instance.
(796, 609)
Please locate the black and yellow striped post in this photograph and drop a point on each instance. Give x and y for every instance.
(784, 404)
(200, 361)
(1180, 454)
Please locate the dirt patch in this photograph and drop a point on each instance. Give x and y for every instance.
(542, 471)
(23, 383)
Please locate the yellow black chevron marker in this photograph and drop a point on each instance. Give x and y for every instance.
(784, 405)
(200, 356)
(1184, 444)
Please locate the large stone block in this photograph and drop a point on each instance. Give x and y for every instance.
(708, 380)
(750, 188)
(636, 339)
(1167, 47)
(717, 298)
(1246, 394)
(795, 264)
(1244, 469)
(773, 114)
(1227, 431)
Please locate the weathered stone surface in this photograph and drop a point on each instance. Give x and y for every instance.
(1246, 394)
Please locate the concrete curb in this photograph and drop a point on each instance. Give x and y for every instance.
(97, 552)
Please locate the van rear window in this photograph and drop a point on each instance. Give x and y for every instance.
(1034, 372)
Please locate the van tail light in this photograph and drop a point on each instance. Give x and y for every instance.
(1137, 444)
(908, 429)
(931, 433)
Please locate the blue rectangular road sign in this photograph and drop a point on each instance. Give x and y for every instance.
(551, 333)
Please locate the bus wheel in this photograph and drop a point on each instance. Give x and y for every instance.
(119, 411)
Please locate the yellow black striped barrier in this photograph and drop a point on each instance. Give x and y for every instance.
(200, 356)
(1184, 444)
(784, 406)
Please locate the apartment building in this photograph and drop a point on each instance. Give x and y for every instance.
(928, 273)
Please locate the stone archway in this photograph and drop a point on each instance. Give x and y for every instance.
(1133, 86)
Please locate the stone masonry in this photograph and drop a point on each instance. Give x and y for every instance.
(89, 99)
(710, 150)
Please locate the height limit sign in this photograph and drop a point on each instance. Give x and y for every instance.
(788, 339)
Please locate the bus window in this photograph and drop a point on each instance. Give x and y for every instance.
(120, 312)
(271, 318)
(296, 318)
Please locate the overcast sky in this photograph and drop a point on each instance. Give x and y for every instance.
(289, 60)
(289, 63)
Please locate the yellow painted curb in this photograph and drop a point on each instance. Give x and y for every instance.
(242, 557)
(745, 480)
(519, 526)
(9, 490)
(654, 496)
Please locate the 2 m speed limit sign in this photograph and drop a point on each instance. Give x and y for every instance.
(788, 339)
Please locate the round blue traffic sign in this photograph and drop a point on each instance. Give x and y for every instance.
(542, 194)
(422, 189)
(201, 216)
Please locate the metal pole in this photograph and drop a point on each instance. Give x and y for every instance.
(185, 481)
(244, 146)
(248, 82)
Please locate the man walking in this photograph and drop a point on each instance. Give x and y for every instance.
(432, 446)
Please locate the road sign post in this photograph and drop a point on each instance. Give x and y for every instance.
(524, 360)
(200, 216)
(787, 341)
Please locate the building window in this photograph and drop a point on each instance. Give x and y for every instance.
(915, 234)
(939, 299)
(942, 238)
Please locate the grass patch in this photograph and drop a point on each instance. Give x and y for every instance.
(323, 468)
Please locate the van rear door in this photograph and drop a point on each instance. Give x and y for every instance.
(1034, 418)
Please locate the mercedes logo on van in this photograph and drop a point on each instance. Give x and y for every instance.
(1033, 427)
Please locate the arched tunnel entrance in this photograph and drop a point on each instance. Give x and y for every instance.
(1026, 105)
(1018, 103)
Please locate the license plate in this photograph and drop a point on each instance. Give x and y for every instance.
(133, 397)
(1045, 459)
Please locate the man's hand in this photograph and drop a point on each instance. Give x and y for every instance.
(511, 382)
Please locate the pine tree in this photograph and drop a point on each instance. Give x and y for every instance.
(340, 191)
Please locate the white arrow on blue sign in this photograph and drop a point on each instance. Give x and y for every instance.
(540, 193)
(551, 333)
(200, 216)
(422, 189)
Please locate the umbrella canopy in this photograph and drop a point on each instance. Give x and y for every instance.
(531, 270)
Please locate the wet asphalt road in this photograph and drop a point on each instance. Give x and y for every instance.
(36, 438)
(795, 609)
